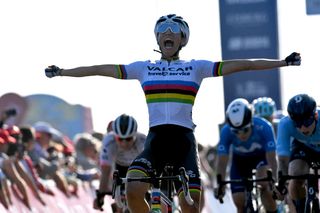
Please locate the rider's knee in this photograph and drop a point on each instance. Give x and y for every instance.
(191, 208)
(296, 184)
(135, 190)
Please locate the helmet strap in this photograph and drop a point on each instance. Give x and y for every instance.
(174, 57)
(158, 51)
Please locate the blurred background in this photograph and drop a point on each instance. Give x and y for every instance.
(37, 33)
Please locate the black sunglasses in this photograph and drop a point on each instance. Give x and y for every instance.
(305, 122)
(242, 130)
(125, 139)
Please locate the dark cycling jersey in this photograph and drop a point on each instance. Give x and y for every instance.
(287, 132)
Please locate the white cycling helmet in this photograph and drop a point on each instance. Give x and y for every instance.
(264, 107)
(175, 23)
(125, 126)
(239, 113)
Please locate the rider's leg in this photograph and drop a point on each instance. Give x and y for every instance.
(297, 188)
(135, 193)
(266, 194)
(202, 200)
(239, 199)
(185, 207)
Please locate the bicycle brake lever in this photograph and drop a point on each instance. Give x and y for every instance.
(184, 180)
(219, 190)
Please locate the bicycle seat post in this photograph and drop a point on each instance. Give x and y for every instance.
(169, 171)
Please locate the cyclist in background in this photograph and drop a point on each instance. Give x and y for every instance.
(120, 147)
(265, 107)
(298, 143)
(170, 86)
(252, 144)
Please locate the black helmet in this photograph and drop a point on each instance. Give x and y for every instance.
(124, 126)
(301, 107)
(239, 113)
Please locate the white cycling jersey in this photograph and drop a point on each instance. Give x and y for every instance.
(170, 87)
(112, 153)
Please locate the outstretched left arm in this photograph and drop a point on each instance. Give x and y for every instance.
(232, 66)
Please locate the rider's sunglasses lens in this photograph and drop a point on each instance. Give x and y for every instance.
(125, 139)
(305, 123)
(242, 130)
(165, 26)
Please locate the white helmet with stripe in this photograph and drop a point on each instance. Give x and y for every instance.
(125, 126)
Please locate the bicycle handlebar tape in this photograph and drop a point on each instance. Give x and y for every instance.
(156, 201)
(100, 198)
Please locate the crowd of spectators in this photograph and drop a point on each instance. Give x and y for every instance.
(32, 154)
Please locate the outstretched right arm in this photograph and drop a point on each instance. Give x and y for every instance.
(109, 70)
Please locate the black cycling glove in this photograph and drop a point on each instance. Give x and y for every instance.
(53, 71)
(293, 59)
(100, 198)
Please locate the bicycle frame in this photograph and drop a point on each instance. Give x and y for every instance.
(156, 195)
(312, 199)
(249, 184)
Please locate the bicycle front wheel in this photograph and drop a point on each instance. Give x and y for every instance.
(249, 208)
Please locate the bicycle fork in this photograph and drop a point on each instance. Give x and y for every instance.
(312, 201)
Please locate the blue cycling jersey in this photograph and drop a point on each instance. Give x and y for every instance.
(260, 141)
(287, 132)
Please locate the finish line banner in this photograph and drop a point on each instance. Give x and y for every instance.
(249, 29)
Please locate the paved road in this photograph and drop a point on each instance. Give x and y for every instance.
(212, 205)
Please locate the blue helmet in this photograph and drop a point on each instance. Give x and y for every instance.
(301, 107)
(264, 107)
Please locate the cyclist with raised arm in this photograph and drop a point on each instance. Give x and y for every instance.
(252, 144)
(120, 147)
(170, 86)
(298, 144)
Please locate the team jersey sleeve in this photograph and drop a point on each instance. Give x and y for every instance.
(283, 138)
(130, 71)
(225, 141)
(209, 68)
(107, 154)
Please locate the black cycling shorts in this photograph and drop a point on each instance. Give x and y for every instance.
(170, 145)
(122, 170)
(242, 167)
(300, 151)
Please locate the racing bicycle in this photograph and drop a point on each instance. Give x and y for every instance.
(167, 197)
(312, 179)
(252, 196)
